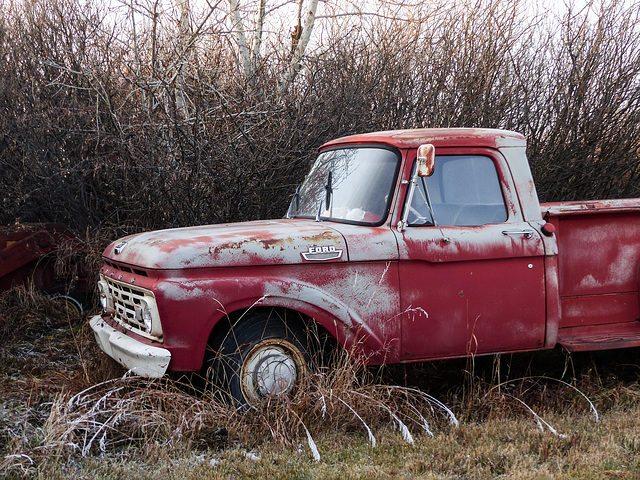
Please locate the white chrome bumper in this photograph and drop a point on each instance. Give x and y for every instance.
(141, 359)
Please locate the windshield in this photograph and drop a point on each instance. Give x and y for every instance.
(350, 185)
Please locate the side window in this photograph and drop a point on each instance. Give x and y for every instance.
(464, 191)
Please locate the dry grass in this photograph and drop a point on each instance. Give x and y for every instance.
(67, 411)
(131, 411)
(27, 314)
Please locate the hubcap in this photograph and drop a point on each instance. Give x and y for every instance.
(272, 368)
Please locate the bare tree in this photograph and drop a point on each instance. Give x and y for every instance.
(249, 50)
(302, 36)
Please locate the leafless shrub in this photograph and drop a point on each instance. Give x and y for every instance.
(584, 127)
(107, 126)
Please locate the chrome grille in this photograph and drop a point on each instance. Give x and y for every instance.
(128, 303)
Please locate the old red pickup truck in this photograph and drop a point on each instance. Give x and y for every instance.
(402, 246)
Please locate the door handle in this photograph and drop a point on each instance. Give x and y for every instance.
(526, 233)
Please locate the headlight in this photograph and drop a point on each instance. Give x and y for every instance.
(143, 315)
(106, 299)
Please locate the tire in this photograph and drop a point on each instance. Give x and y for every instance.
(262, 356)
(72, 299)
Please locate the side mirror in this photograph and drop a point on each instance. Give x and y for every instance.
(426, 159)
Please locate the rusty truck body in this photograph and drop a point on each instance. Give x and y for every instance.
(396, 262)
(28, 255)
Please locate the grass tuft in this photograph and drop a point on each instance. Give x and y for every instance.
(26, 314)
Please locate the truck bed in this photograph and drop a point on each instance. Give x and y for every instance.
(598, 266)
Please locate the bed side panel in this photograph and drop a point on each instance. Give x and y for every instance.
(599, 259)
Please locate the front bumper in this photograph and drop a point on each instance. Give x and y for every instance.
(141, 359)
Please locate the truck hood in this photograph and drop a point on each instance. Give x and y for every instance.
(270, 242)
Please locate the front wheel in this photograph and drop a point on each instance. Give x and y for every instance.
(262, 356)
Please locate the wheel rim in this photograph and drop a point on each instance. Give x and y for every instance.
(272, 368)
(72, 306)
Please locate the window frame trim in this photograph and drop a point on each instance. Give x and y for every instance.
(505, 179)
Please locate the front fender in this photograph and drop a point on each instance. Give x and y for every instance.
(360, 309)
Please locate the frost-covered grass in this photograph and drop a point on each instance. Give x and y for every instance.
(68, 412)
(509, 447)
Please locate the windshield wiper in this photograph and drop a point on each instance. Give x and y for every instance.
(328, 190)
(327, 199)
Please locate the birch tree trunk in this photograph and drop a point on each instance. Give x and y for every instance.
(249, 51)
(243, 44)
(257, 38)
(298, 52)
(183, 45)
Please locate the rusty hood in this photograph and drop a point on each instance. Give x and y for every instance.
(267, 242)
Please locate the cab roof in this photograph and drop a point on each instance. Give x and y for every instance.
(439, 137)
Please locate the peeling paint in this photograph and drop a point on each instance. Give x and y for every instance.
(593, 206)
(276, 242)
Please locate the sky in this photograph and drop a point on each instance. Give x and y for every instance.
(282, 14)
